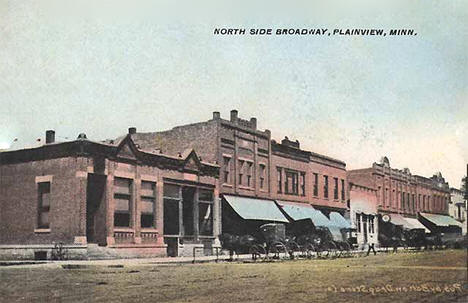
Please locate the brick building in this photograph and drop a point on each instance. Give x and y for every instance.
(125, 199)
(254, 166)
(401, 195)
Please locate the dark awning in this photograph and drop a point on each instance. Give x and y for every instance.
(441, 220)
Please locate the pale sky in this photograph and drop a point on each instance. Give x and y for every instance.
(100, 69)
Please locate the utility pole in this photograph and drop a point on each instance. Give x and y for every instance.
(466, 185)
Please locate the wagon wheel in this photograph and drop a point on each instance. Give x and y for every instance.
(257, 251)
(322, 251)
(310, 251)
(329, 250)
(278, 248)
(346, 249)
(292, 248)
(338, 251)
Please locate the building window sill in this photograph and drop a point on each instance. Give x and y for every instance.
(246, 188)
(227, 185)
(42, 230)
(149, 230)
(124, 229)
(206, 237)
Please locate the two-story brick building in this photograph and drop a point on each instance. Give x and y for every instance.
(127, 200)
(404, 197)
(257, 168)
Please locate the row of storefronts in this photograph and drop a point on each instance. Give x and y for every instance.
(174, 192)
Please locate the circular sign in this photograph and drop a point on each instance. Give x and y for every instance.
(386, 218)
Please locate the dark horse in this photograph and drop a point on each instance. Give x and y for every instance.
(236, 244)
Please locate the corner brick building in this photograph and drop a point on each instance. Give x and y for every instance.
(125, 199)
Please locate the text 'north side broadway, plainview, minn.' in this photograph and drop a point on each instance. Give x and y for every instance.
(224, 31)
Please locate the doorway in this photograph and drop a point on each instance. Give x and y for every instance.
(364, 227)
(95, 193)
(188, 197)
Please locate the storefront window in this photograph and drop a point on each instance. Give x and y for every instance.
(172, 198)
(123, 202)
(148, 198)
(205, 212)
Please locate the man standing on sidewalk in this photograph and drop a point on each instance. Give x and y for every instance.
(371, 247)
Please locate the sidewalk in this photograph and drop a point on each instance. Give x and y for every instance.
(76, 264)
(121, 262)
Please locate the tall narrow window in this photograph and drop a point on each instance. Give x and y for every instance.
(148, 198)
(280, 179)
(335, 188)
(122, 200)
(315, 184)
(302, 180)
(371, 224)
(43, 205)
(241, 171)
(402, 201)
(172, 199)
(325, 186)
(262, 175)
(249, 174)
(343, 196)
(205, 212)
(358, 222)
(227, 169)
(291, 184)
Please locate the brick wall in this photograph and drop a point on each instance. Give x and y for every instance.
(310, 168)
(19, 201)
(396, 189)
(200, 136)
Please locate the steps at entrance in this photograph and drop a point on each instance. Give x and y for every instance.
(96, 252)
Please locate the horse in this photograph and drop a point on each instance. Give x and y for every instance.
(235, 244)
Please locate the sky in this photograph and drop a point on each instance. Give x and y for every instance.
(100, 68)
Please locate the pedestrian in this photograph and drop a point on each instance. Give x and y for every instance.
(371, 247)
